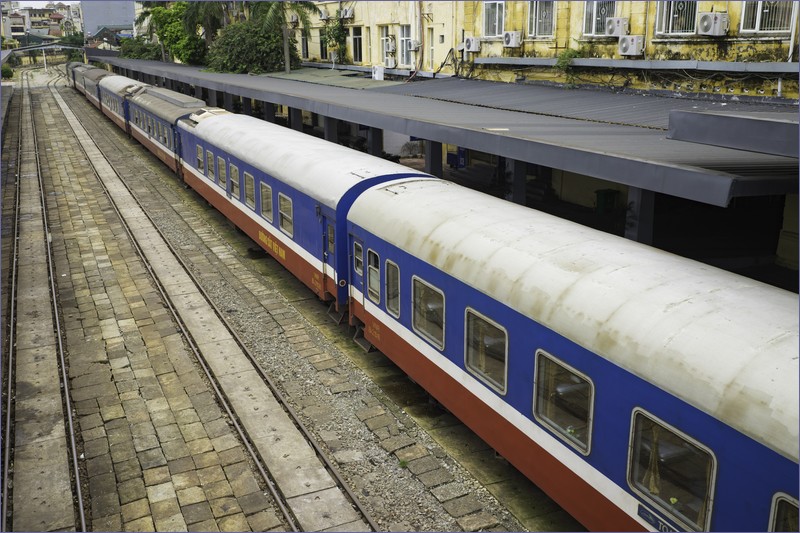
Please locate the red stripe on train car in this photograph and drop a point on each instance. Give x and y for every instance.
(299, 267)
(585, 503)
(168, 158)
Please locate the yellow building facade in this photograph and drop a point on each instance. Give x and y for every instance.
(729, 47)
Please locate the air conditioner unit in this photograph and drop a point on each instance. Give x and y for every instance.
(512, 39)
(413, 46)
(472, 44)
(617, 26)
(715, 24)
(323, 14)
(347, 13)
(390, 46)
(293, 18)
(377, 72)
(631, 45)
(390, 62)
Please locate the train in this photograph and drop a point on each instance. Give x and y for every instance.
(642, 391)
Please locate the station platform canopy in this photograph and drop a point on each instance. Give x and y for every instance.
(619, 137)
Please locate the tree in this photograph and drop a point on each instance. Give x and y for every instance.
(144, 19)
(274, 16)
(210, 16)
(245, 47)
(138, 48)
(168, 24)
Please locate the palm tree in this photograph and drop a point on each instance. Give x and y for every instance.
(274, 16)
(144, 21)
(210, 16)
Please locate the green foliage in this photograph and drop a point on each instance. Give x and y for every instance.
(564, 58)
(138, 48)
(8, 72)
(244, 47)
(334, 36)
(168, 24)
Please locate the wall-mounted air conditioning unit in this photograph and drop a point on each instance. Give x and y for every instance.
(512, 39)
(377, 72)
(413, 46)
(472, 44)
(390, 46)
(390, 62)
(617, 26)
(347, 13)
(323, 14)
(631, 45)
(714, 24)
(293, 19)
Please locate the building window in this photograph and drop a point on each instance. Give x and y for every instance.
(493, 18)
(358, 258)
(200, 160)
(210, 161)
(595, 15)
(431, 50)
(486, 350)
(249, 190)
(374, 276)
(285, 214)
(541, 18)
(767, 16)
(428, 317)
(672, 471)
(393, 289)
(358, 53)
(235, 181)
(784, 514)
(304, 45)
(403, 42)
(223, 176)
(386, 44)
(266, 201)
(323, 46)
(676, 17)
(563, 401)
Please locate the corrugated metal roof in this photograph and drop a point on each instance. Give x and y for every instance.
(645, 110)
(616, 137)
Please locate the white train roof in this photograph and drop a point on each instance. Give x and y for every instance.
(166, 104)
(724, 343)
(319, 168)
(120, 84)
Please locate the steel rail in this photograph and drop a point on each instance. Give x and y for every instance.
(279, 397)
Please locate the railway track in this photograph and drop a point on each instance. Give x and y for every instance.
(40, 445)
(304, 483)
(401, 475)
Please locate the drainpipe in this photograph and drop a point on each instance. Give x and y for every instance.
(791, 51)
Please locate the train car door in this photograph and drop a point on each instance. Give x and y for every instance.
(328, 255)
(357, 271)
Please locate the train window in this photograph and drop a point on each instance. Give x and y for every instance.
(486, 350)
(675, 473)
(266, 201)
(563, 401)
(200, 159)
(393, 289)
(235, 181)
(331, 238)
(374, 276)
(285, 214)
(250, 191)
(358, 258)
(428, 317)
(210, 161)
(223, 174)
(784, 516)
